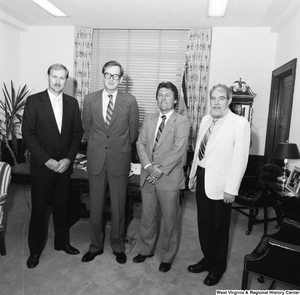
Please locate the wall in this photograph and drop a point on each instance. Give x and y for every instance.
(42, 47)
(9, 55)
(288, 48)
(246, 53)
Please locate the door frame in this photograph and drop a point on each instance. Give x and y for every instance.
(279, 73)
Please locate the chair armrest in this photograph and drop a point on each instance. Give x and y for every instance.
(287, 246)
(289, 232)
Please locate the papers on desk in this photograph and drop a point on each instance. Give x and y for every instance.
(80, 162)
(135, 169)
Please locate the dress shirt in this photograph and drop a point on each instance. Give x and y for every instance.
(168, 115)
(57, 106)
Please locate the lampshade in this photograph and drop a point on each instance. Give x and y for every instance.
(286, 150)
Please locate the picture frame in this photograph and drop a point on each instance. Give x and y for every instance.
(293, 182)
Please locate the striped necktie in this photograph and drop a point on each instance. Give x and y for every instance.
(159, 131)
(205, 139)
(109, 111)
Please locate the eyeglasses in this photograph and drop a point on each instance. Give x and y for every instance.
(109, 75)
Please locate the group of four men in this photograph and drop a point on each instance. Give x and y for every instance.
(52, 131)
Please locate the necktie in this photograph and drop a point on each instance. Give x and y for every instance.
(159, 131)
(205, 139)
(109, 111)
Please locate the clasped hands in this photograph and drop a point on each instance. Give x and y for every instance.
(58, 167)
(154, 174)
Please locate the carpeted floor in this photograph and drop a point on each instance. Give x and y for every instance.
(59, 273)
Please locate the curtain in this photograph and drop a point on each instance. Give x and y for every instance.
(195, 80)
(83, 56)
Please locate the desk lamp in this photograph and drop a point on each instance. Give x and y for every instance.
(286, 150)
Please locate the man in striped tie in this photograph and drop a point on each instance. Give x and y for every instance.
(110, 119)
(220, 160)
(162, 147)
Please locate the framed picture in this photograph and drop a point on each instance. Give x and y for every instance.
(293, 183)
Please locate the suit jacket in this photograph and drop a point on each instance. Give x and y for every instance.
(170, 153)
(110, 146)
(41, 135)
(227, 158)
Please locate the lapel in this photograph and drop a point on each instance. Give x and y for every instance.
(152, 128)
(167, 128)
(48, 108)
(66, 112)
(226, 126)
(98, 106)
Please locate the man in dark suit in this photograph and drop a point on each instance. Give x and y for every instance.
(52, 131)
(110, 119)
(162, 147)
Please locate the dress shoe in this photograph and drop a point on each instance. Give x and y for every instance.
(89, 256)
(141, 258)
(212, 279)
(68, 249)
(120, 257)
(33, 260)
(165, 267)
(197, 268)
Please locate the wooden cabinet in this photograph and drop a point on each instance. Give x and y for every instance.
(242, 100)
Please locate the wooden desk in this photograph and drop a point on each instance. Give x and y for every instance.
(289, 203)
(79, 183)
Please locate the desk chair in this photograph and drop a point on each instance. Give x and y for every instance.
(276, 257)
(5, 175)
(253, 196)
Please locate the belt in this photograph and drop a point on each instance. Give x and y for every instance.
(201, 169)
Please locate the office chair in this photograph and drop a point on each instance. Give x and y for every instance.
(5, 175)
(253, 196)
(276, 257)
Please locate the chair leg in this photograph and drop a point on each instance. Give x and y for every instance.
(250, 221)
(245, 280)
(2, 244)
(279, 216)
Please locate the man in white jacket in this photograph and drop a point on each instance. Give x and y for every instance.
(220, 161)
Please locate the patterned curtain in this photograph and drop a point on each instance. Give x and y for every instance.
(195, 80)
(83, 56)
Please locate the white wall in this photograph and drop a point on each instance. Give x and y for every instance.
(288, 48)
(42, 47)
(247, 53)
(9, 56)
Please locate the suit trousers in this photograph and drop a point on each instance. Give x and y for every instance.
(154, 202)
(45, 190)
(117, 192)
(213, 227)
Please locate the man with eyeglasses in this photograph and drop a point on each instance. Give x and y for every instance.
(110, 119)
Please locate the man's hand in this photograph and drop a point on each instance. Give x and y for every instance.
(52, 164)
(154, 172)
(151, 180)
(228, 198)
(63, 165)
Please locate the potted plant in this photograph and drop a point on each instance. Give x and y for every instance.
(11, 117)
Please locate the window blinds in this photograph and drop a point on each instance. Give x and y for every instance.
(148, 58)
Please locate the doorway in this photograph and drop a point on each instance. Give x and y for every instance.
(280, 108)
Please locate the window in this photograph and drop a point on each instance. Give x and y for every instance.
(148, 57)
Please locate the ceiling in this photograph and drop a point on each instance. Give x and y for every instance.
(146, 14)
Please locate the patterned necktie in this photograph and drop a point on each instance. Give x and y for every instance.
(109, 111)
(205, 139)
(159, 131)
